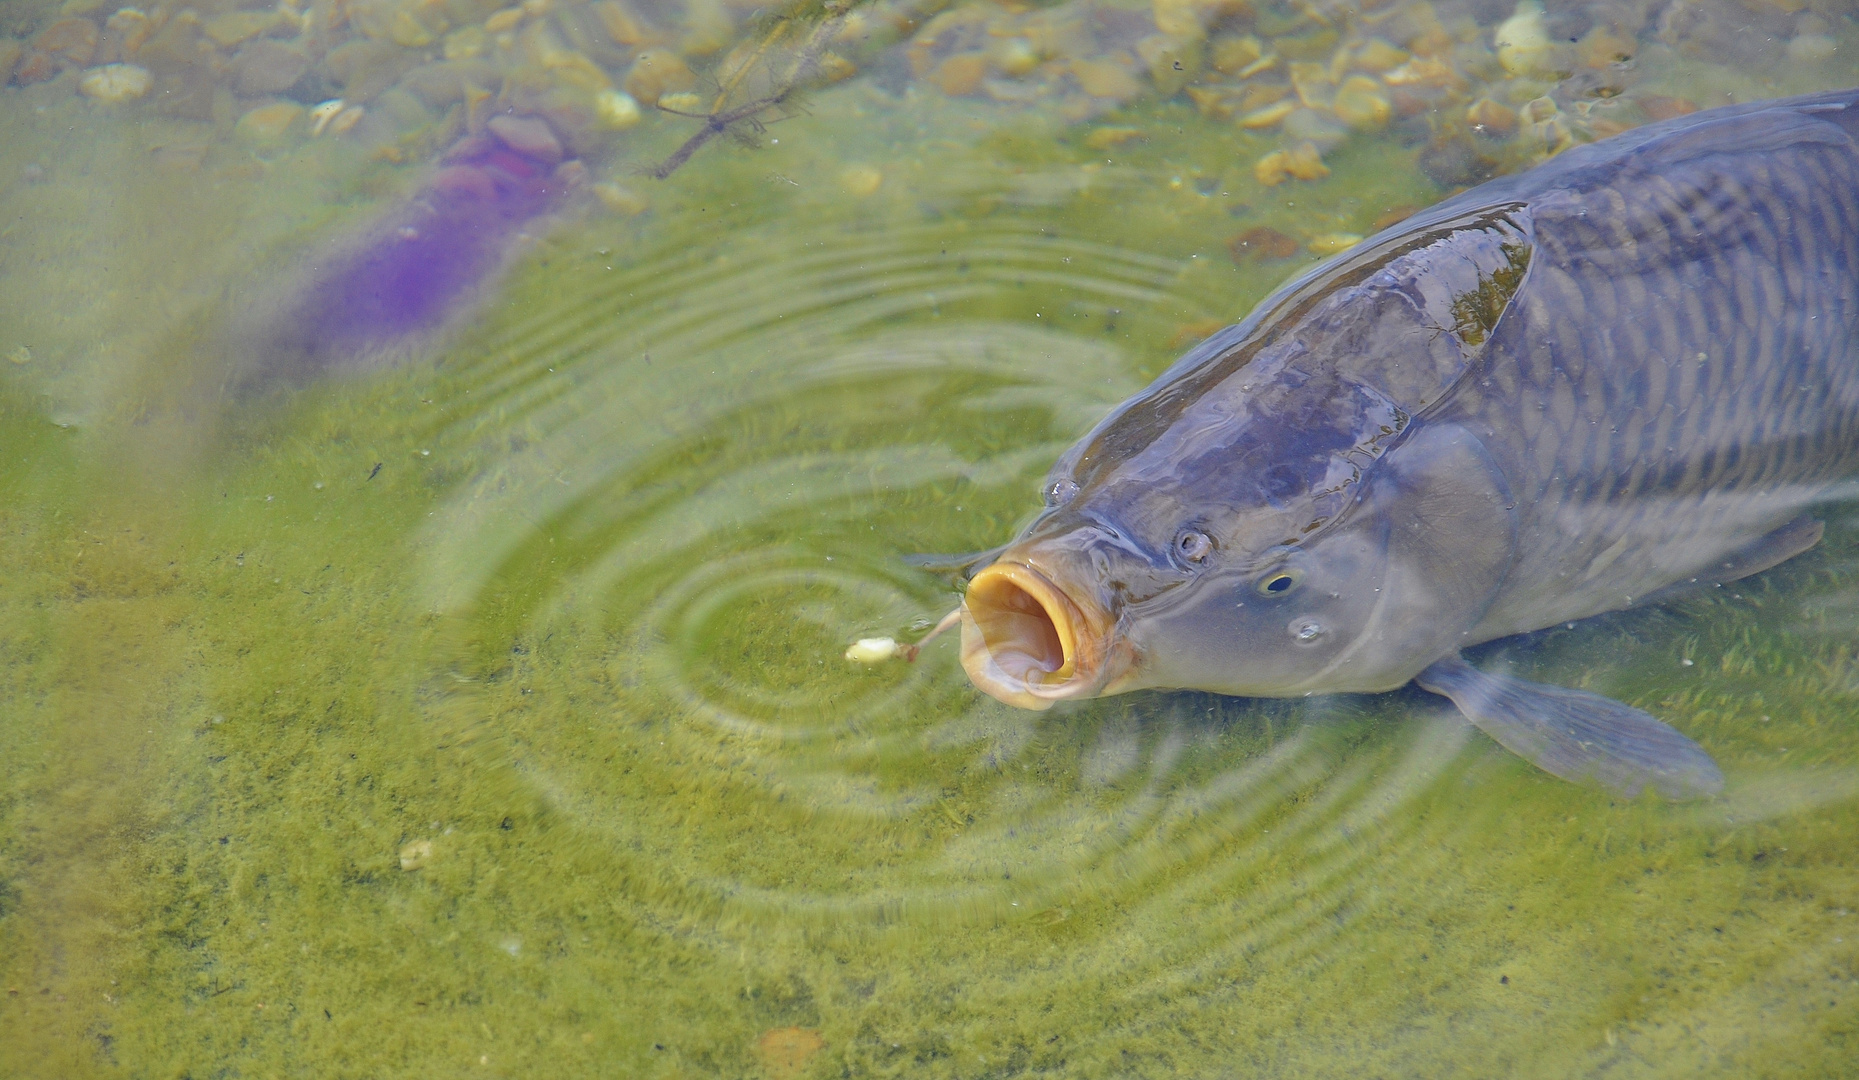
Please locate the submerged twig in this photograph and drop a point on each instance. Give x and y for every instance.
(714, 124)
(805, 67)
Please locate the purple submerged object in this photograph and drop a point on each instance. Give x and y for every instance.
(416, 268)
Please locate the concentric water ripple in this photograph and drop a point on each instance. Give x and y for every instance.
(701, 468)
(713, 473)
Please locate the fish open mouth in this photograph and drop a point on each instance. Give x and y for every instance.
(1026, 642)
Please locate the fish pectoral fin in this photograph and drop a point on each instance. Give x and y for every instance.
(1770, 551)
(1766, 553)
(1577, 735)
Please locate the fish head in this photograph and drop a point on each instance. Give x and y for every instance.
(1137, 586)
(1150, 589)
(1269, 518)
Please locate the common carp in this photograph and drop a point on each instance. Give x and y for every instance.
(1632, 369)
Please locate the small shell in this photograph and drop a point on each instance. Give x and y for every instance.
(872, 650)
(321, 115)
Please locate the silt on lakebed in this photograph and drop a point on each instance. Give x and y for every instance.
(1623, 374)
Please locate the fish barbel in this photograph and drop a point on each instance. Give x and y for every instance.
(1560, 393)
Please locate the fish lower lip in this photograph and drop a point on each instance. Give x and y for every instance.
(1025, 641)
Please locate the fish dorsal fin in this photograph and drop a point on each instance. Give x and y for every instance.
(1760, 131)
(1399, 321)
(1417, 320)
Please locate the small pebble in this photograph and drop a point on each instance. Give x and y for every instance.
(1522, 41)
(415, 854)
(658, 72)
(72, 39)
(1262, 243)
(786, 1052)
(861, 180)
(1234, 54)
(1311, 83)
(467, 44)
(1269, 116)
(1812, 48)
(1489, 117)
(268, 123)
(960, 75)
(528, 136)
(1301, 162)
(115, 82)
(1331, 243)
(1360, 103)
(1102, 79)
(1106, 137)
(872, 650)
(234, 27)
(346, 119)
(1377, 56)
(616, 109)
(1015, 56)
(619, 198)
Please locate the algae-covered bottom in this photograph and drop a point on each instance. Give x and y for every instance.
(487, 713)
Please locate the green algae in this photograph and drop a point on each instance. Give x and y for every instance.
(557, 601)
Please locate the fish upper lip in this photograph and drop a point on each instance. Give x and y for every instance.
(1029, 642)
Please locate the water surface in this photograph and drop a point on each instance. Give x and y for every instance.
(477, 705)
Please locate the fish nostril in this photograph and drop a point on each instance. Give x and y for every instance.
(1305, 631)
(1194, 545)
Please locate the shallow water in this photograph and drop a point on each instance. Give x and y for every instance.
(480, 708)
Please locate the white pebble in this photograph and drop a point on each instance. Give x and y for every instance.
(415, 854)
(616, 109)
(1812, 48)
(115, 82)
(872, 650)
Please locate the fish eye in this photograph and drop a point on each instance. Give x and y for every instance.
(1060, 492)
(1193, 545)
(1280, 581)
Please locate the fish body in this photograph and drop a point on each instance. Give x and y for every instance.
(1557, 394)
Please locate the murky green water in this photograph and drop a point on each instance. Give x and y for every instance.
(485, 713)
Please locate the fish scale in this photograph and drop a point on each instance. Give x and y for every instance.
(1561, 393)
(1764, 410)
